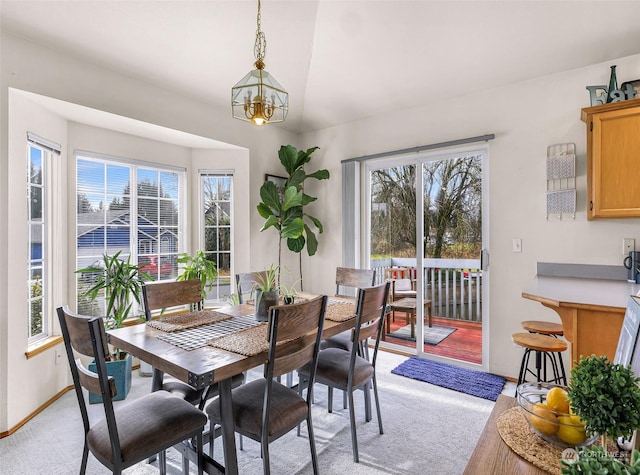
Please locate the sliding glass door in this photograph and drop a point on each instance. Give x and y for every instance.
(428, 244)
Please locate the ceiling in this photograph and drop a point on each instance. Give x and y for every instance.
(340, 61)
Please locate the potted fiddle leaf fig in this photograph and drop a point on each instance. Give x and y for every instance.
(121, 284)
(283, 208)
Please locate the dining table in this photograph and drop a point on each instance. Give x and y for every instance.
(189, 356)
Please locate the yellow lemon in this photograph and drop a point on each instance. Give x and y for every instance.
(558, 400)
(543, 419)
(571, 434)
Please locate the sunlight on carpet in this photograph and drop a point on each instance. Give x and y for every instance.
(468, 381)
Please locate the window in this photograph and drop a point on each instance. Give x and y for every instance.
(106, 204)
(40, 153)
(217, 192)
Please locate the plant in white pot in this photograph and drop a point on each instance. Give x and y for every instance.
(120, 283)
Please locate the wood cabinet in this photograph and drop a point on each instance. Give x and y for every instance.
(613, 159)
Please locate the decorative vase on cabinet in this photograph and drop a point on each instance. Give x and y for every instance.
(613, 141)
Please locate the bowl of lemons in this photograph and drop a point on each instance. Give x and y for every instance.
(548, 410)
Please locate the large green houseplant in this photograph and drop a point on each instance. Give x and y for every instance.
(283, 208)
(121, 283)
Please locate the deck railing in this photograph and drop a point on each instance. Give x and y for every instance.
(454, 286)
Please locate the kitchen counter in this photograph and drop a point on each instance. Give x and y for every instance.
(591, 310)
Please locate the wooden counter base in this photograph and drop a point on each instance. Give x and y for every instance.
(591, 310)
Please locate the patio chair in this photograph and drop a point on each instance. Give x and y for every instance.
(136, 431)
(263, 409)
(350, 370)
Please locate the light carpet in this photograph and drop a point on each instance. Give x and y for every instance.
(468, 381)
(432, 335)
(427, 429)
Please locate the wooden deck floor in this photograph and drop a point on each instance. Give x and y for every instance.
(464, 344)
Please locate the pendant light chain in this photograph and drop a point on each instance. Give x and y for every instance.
(260, 48)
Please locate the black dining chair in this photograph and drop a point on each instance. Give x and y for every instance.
(353, 279)
(264, 409)
(162, 295)
(136, 431)
(350, 370)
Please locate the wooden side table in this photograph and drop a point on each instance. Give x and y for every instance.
(491, 454)
(408, 306)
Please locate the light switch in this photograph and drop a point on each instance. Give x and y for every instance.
(516, 245)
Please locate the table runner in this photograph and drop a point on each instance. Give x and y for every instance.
(188, 320)
(198, 337)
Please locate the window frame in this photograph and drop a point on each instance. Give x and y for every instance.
(135, 242)
(219, 296)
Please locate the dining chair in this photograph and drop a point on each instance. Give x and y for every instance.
(245, 283)
(354, 279)
(162, 295)
(136, 431)
(350, 370)
(264, 409)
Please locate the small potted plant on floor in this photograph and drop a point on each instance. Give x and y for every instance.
(119, 282)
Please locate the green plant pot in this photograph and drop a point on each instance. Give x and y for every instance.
(265, 300)
(121, 372)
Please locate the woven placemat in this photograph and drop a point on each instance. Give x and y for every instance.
(188, 320)
(249, 342)
(516, 433)
(340, 312)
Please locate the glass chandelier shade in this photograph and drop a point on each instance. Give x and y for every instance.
(258, 98)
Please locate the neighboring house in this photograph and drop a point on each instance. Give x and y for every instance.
(98, 234)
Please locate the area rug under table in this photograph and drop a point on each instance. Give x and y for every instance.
(432, 335)
(468, 381)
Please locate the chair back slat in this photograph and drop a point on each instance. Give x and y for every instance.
(294, 335)
(354, 278)
(246, 281)
(159, 295)
(370, 311)
(91, 382)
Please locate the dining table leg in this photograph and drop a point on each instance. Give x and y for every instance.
(228, 433)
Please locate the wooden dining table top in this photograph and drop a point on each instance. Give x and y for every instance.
(201, 366)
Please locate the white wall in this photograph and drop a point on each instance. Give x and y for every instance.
(526, 118)
(26, 378)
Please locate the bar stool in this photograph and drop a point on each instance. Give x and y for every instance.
(546, 328)
(544, 347)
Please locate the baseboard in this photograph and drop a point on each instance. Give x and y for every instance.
(35, 413)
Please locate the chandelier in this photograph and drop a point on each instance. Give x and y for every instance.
(258, 98)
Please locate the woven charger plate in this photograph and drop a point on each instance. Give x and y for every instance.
(516, 433)
(340, 312)
(188, 320)
(249, 342)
